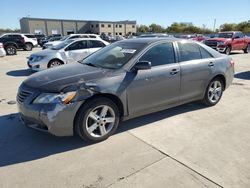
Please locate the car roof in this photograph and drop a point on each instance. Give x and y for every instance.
(150, 40)
(80, 39)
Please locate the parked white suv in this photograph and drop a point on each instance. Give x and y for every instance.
(29, 39)
(71, 36)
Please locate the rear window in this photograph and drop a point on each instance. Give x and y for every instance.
(30, 36)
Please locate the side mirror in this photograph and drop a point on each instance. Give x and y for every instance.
(142, 65)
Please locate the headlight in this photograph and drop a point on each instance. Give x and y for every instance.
(46, 98)
(220, 43)
(37, 58)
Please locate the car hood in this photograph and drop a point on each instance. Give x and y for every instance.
(218, 39)
(45, 52)
(58, 78)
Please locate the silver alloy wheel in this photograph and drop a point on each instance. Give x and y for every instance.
(28, 47)
(215, 91)
(10, 50)
(100, 121)
(55, 64)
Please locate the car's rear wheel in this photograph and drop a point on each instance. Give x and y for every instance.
(228, 50)
(97, 119)
(28, 47)
(247, 49)
(54, 63)
(214, 92)
(10, 50)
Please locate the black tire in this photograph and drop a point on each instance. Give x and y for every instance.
(10, 50)
(54, 63)
(83, 116)
(247, 49)
(228, 50)
(28, 47)
(207, 100)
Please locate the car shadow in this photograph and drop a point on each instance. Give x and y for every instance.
(243, 75)
(236, 52)
(22, 72)
(19, 144)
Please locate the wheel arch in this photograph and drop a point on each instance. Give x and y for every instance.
(54, 60)
(222, 78)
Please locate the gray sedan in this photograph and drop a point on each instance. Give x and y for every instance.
(122, 81)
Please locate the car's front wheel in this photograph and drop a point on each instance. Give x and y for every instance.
(247, 49)
(228, 50)
(54, 63)
(214, 92)
(97, 119)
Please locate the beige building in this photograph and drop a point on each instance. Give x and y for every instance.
(65, 27)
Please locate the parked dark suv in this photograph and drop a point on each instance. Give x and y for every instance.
(39, 38)
(12, 42)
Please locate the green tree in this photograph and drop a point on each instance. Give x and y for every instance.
(143, 29)
(228, 27)
(156, 28)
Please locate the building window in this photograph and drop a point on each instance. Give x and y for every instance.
(116, 33)
(120, 33)
(102, 25)
(92, 26)
(133, 26)
(109, 25)
(116, 26)
(120, 26)
(97, 25)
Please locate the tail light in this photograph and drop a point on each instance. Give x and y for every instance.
(1, 45)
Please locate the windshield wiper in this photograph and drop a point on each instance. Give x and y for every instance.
(90, 64)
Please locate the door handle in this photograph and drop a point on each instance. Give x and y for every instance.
(174, 71)
(211, 64)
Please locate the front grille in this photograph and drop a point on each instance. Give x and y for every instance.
(211, 43)
(22, 95)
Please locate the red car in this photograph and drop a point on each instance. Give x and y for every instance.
(229, 41)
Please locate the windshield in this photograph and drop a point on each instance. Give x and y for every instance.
(113, 56)
(64, 38)
(61, 45)
(225, 35)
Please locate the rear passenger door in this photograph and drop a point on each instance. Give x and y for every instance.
(196, 69)
(77, 50)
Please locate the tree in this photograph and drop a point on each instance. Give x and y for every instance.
(228, 27)
(154, 28)
(143, 29)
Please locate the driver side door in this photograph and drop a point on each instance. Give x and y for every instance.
(158, 87)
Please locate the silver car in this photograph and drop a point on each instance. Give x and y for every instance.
(124, 80)
(64, 53)
(2, 50)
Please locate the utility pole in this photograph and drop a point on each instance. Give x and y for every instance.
(214, 24)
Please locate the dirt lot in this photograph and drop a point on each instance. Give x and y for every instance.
(188, 146)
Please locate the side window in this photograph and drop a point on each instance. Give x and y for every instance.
(189, 51)
(79, 45)
(160, 54)
(205, 54)
(237, 35)
(74, 37)
(96, 44)
(16, 36)
(5, 37)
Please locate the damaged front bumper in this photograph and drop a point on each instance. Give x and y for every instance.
(56, 119)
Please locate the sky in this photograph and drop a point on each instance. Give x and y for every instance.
(199, 12)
